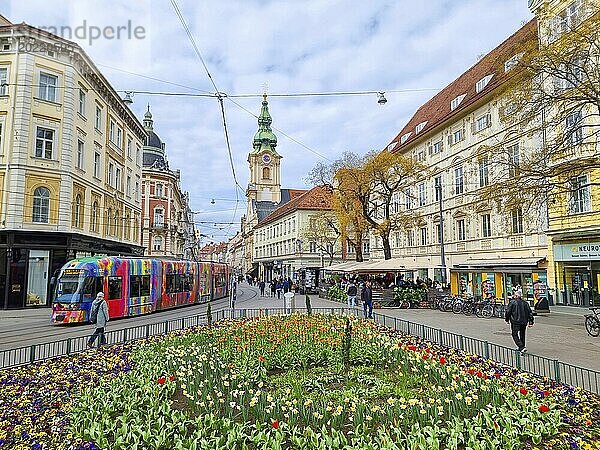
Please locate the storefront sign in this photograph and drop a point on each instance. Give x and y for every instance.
(577, 252)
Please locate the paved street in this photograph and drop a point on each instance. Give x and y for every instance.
(557, 335)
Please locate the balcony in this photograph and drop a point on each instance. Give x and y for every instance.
(486, 244)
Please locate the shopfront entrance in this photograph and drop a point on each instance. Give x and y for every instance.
(577, 273)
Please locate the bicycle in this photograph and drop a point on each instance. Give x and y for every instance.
(592, 322)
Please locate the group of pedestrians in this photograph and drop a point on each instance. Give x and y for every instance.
(366, 296)
(276, 287)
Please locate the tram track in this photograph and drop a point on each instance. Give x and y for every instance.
(35, 334)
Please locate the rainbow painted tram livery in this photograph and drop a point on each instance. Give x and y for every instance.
(134, 286)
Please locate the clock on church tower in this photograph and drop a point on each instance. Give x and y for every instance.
(264, 161)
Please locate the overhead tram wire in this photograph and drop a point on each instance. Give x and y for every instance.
(220, 98)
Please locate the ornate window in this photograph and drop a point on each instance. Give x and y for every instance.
(41, 205)
(157, 243)
(266, 173)
(94, 224)
(77, 222)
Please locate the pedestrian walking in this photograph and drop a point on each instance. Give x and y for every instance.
(519, 315)
(273, 287)
(351, 292)
(367, 299)
(286, 285)
(99, 317)
(261, 286)
(279, 289)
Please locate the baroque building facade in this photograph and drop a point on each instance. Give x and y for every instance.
(486, 251)
(167, 221)
(70, 163)
(574, 219)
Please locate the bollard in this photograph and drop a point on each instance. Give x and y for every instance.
(166, 327)
(486, 349)
(439, 332)
(147, 330)
(182, 323)
(461, 340)
(395, 323)
(124, 335)
(518, 362)
(68, 346)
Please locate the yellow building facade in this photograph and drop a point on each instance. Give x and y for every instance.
(70, 163)
(574, 218)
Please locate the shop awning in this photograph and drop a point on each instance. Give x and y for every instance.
(500, 263)
(342, 267)
(386, 265)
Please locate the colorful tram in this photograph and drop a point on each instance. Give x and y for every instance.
(134, 286)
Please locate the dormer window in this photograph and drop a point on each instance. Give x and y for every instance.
(405, 137)
(454, 103)
(419, 127)
(512, 62)
(481, 84)
(392, 146)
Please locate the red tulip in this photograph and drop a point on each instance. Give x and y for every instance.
(471, 371)
(161, 380)
(412, 347)
(543, 408)
(497, 375)
(546, 393)
(442, 360)
(172, 378)
(275, 424)
(523, 391)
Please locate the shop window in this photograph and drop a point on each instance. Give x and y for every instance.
(37, 277)
(114, 288)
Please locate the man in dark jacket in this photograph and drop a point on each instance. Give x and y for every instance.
(518, 314)
(367, 298)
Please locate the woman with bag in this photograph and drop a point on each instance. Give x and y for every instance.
(99, 317)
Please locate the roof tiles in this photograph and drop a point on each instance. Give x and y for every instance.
(437, 110)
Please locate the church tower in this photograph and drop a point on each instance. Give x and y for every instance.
(264, 161)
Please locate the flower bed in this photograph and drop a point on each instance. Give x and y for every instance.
(289, 382)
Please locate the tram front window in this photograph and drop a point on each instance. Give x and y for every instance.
(75, 290)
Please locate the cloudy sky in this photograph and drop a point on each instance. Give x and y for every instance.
(292, 46)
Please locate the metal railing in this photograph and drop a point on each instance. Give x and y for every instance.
(554, 369)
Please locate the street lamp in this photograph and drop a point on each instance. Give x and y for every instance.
(438, 188)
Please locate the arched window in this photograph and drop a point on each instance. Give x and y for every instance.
(157, 243)
(117, 228)
(107, 223)
(159, 217)
(94, 224)
(266, 173)
(128, 227)
(41, 205)
(77, 212)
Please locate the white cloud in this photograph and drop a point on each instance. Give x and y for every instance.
(295, 46)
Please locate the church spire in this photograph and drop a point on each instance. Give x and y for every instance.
(148, 122)
(264, 139)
